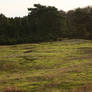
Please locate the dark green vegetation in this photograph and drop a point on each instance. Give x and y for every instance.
(46, 24)
(47, 67)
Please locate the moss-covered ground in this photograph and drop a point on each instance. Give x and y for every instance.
(46, 67)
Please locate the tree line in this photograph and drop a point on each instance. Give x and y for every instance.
(46, 23)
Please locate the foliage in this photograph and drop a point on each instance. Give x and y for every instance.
(42, 24)
(46, 23)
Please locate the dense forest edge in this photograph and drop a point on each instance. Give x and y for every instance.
(46, 23)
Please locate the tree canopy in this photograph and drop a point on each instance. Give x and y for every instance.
(46, 23)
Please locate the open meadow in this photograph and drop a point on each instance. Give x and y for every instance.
(62, 66)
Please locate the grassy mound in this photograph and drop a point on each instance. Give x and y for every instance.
(48, 67)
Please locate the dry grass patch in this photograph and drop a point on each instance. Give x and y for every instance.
(13, 89)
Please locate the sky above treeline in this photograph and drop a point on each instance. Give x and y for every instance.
(13, 8)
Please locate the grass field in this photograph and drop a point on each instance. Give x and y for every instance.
(47, 67)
